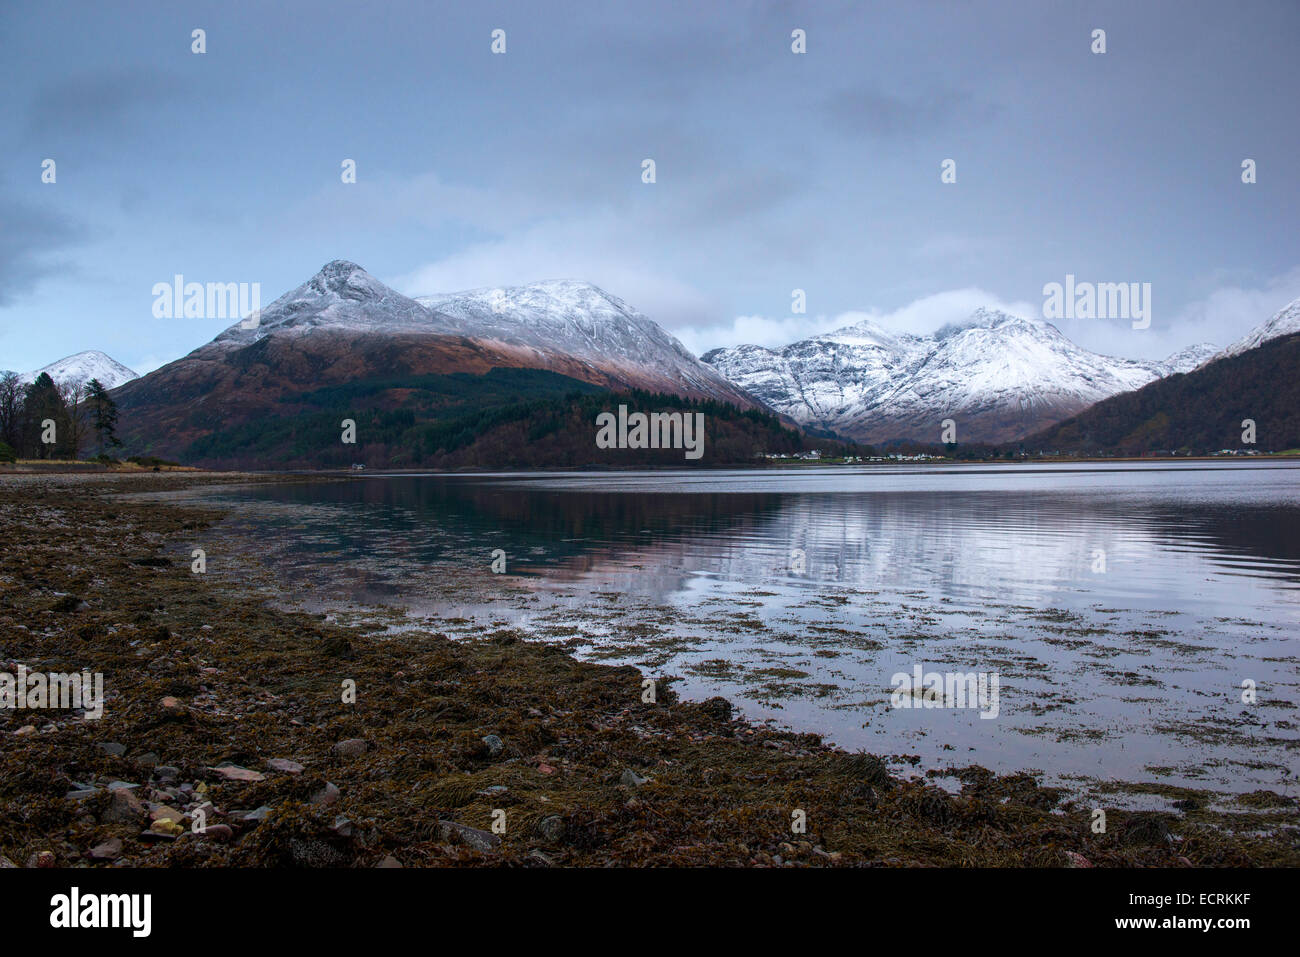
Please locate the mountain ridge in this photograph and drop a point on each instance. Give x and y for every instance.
(997, 375)
(85, 365)
(344, 328)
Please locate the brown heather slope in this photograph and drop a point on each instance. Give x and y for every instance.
(165, 411)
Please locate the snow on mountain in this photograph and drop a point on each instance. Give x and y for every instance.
(85, 366)
(819, 381)
(343, 297)
(567, 326)
(1189, 358)
(997, 376)
(581, 321)
(1285, 322)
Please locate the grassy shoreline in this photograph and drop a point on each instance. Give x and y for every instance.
(204, 676)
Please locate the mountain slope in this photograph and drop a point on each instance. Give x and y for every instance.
(85, 366)
(1285, 322)
(997, 376)
(1188, 358)
(345, 328)
(1200, 412)
(544, 322)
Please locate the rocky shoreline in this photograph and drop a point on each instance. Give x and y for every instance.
(227, 739)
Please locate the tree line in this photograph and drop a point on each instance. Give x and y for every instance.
(48, 420)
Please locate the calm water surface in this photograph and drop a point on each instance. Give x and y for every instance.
(1121, 606)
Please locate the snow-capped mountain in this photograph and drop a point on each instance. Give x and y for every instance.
(999, 377)
(578, 320)
(1285, 322)
(1188, 358)
(344, 333)
(84, 366)
(566, 326)
(342, 297)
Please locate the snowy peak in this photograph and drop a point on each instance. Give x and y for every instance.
(984, 318)
(1189, 358)
(341, 296)
(998, 375)
(865, 333)
(1285, 322)
(346, 280)
(84, 366)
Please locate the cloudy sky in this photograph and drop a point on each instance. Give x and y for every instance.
(775, 171)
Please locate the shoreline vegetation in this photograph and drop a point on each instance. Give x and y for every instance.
(82, 466)
(223, 709)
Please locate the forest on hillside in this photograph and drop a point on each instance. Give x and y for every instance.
(510, 418)
(1196, 413)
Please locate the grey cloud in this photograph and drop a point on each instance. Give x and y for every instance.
(865, 111)
(29, 236)
(97, 100)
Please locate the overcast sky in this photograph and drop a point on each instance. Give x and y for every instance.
(775, 170)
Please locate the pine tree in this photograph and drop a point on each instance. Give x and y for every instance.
(103, 412)
(42, 403)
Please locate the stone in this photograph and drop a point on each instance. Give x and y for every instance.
(108, 851)
(633, 780)
(351, 748)
(494, 745)
(326, 795)
(232, 772)
(165, 828)
(163, 812)
(165, 773)
(217, 832)
(284, 765)
(389, 861)
(484, 841)
(123, 808)
(112, 748)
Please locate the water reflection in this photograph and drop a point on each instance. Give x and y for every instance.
(1122, 605)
